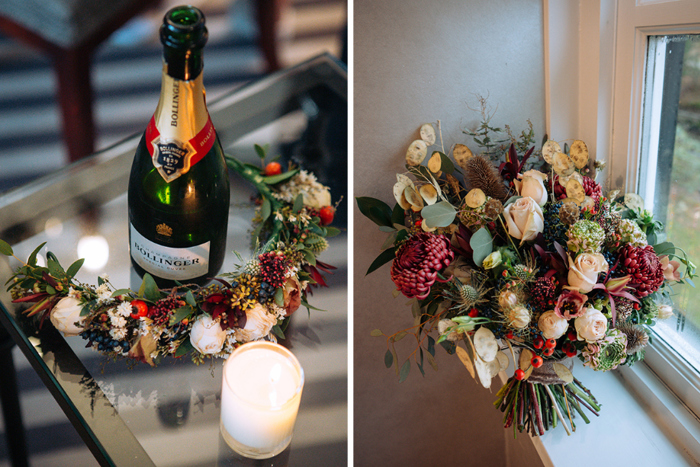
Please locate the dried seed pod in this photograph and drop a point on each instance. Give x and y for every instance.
(549, 149)
(579, 153)
(475, 198)
(416, 152)
(574, 190)
(434, 163)
(461, 154)
(562, 164)
(634, 201)
(427, 133)
(402, 182)
(413, 198)
(429, 193)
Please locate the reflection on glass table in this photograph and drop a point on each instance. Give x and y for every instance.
(134, 415)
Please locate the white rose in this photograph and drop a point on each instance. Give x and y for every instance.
(591, 326)
(317, 196)
(584, 270)
(258, 324)
(665, 311)
(524, 219)
(207, 336)
(507, 299)
(65, 314)
(518, 317)
(532, 185)
(492, 260)
(552, 325)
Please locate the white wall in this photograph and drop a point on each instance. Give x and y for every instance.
(419, 61)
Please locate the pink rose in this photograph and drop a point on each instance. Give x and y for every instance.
(524, 219)
(531, 184)
(570, 304)
(670, 269)
(584, 270)
(591, 326)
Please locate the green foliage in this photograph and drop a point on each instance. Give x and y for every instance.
(385, 256)
(375, 210)
(482, 244)
(440, 214)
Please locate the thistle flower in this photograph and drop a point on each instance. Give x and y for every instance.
(585, 237)
(637, 337)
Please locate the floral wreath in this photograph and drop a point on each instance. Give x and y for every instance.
(504, 253)
(292, 222)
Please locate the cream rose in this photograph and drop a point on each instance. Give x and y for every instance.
(65, 315)
(591, 326)
(492, 260)
(665, 311)
(258, 324)
(584, 270)
(531, 184)
(524, 219)
(317, 196)
(207, 336)
(552, 325)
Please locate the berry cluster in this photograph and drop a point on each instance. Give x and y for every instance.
(273, 268)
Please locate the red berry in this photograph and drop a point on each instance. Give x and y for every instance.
(551, 343)
(273, 168)
(473, 313)
(547, 352)
(538, 342)
(571, 335)
(418, 222)
(327, 213)
(569, 349)
(519, 374)
(536, 361)
(509, 335)
(141, 308)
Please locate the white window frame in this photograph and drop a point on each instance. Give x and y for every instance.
(595, 58)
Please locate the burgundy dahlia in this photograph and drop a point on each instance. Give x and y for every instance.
(643, 266)
(418, 261)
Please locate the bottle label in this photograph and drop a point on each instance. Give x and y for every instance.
(167, 262)
(180, 132)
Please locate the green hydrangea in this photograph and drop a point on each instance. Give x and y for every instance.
(630, 232)
(585, 237)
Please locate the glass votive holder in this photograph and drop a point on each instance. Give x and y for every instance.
(261, 389)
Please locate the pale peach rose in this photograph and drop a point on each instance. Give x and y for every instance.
(552, 325)
(524, 219)
(584, 270)
(65, 315)
(531, 184)
(207, 336)
(258, 324)
(670, 268)
(665, 311)
(591, 326)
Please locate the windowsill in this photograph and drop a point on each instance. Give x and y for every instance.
(641, 423)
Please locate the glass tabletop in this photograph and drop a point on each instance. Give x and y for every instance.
(136, 415)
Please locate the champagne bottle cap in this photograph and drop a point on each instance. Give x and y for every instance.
(183, 28)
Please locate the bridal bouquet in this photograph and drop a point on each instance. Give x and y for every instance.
(517, 253)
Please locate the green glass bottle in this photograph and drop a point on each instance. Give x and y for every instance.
(179, 188)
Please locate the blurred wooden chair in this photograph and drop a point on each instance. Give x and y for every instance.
(69, 31)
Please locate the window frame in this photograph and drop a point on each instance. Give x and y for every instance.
(607, 81)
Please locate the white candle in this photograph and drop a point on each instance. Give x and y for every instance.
(260, 394)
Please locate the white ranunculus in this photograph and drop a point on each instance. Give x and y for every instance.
(507, 299)
(524, 219)
(65, 315)
(552, 325)
(207, 336)
(584, 270)
(258, 324)
(531, 184)
(591, 326)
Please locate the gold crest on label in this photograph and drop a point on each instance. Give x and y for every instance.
(164, 229)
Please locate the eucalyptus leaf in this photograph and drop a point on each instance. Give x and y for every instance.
(310, 257)
(279, 297)
(399, 336)
(180, 314)
(390, 240)
(466, 361)
(388, 359)
(74, 268)
(446, 164)
(664, 248)
(5, 248)
(261, 151)
(511, 200)
(278, 331)
(32, 257)
(119, 292)
(405, 370)
(386, 229)
(332, 231)
(431, 346)
(275, 179)
(398, 215)
(433, 363)
(482, 244)
(149, 289)
(440, 214)
(189, 298)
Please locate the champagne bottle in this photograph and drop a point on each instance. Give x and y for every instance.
(178, 193)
